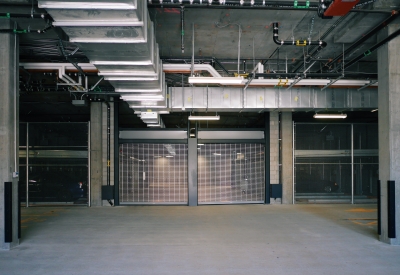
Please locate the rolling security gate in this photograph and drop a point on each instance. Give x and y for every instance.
(153, 167)
(231, 167)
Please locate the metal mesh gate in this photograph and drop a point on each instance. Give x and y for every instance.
(231, 173)
(153, 173)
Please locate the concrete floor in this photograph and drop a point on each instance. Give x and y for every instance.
(231, 239)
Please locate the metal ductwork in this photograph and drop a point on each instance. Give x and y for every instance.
(221, 99)
(118, 38)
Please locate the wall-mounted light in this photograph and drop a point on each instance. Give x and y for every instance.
(330, 116)
(215, 80)
(203, 117)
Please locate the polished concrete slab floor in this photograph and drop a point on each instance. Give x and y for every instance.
(213, 239)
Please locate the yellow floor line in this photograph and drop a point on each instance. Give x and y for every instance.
(365, 210)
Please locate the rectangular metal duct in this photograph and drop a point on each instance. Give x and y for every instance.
(113, 13)
(104, 25)
(156, 86)
(134, 75)
(253, 99)
(123, 53)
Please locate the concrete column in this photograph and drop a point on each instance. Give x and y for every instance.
(274, 150)
(9, 128)
(96, 152)
(389, 126)
(287, 157)
(104, 149)
(192, 171)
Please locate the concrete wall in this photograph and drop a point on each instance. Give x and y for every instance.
(9, 126)
(287, 157)
(389, 126)
(274, 151)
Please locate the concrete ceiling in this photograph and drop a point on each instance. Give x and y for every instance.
(214, 31)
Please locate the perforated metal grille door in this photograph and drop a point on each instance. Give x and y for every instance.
(231, 173)
(153, 173)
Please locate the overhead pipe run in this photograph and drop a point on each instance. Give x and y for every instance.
(234, 4)
(365, 37)
(25, 31)
(302, 43)
(23, 15)
(372, 49)
(314, 51)
(182, 28)
(248, 4)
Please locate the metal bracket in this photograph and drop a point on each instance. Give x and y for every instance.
(301, 43)
(301, 7)
(372, 82)
(331, 82)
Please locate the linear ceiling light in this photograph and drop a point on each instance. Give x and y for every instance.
(86, 5)
(330, 115)
(97, 23)
(133, 63)
(203, 117)
(131, 78)
(215, 80)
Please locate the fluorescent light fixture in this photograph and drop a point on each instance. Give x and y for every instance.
(169, 156)
(374, 110)
(203, 117)
(130, 78)
(154, 125)
(103, 62)
(200, 144)
(106, 40)
(216, 154)
(215, 80)
(143, 98)
(97, 23)
(88, 5)
(330, 115)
